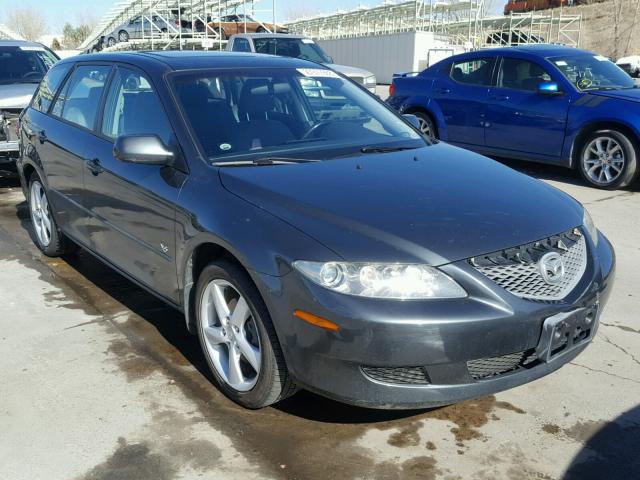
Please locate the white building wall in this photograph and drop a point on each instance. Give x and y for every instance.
(385, 55)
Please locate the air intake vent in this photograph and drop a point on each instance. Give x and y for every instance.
(490, 367)
(397, 375)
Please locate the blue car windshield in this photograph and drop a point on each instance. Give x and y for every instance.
(268, 112)
(592, 72)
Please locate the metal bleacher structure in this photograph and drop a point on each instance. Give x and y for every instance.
(467, 23)
(186, 12)
(7, 34)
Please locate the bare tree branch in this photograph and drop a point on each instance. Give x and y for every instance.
(26, 22)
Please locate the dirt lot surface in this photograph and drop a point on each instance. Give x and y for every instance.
(100, 381)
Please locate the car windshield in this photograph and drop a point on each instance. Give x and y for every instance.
(247, 18)
(303, 48)
(24, 64)
(593, 72)
(244, 114)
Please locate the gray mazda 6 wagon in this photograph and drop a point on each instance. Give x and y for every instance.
(311, 236)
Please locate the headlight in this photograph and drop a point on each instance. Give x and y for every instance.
(370, 80)
(590, 227)
(382, 280)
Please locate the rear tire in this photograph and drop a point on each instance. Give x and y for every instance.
(123, 36)
(261, 30)
(225, 340)
(111, 42)
(608, 159)
(427, 126)
(47, 237)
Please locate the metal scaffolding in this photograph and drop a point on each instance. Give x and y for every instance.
(7, 34)
(179, 19)
(459, 22)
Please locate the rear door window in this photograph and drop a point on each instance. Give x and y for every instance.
(80, 100)
(476, 71)
(49, 86)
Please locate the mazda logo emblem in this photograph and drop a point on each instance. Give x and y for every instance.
(551, 268)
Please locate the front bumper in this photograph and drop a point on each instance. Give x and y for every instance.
(439, 336)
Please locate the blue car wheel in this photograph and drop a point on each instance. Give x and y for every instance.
(608, 159)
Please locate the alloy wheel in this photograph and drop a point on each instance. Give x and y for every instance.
(603, 160)
(426, 128)
(231, 335)
(40, 214)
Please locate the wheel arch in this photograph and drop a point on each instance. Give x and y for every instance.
(427, 111)
(591, 127)
(199, 256)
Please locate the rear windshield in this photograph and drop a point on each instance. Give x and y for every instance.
(252, 112)
(24, 64)
(303, 48)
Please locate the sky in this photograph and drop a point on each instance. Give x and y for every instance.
(57, 12)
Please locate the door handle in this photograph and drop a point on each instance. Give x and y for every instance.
(443, 90)
(42, 136)
(94, 166)
(500, 98)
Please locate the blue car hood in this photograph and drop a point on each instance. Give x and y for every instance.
(447, 205)
(631, 94)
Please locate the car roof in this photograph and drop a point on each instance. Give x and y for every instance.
(269, 35)
(538, 49)
(190, 60)
(19, 43)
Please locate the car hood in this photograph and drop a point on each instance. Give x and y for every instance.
(631, 94)
(350, 71)
(16, 95)
(448, 205)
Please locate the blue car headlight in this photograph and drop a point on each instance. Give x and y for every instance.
(382, 280)
(590, 227)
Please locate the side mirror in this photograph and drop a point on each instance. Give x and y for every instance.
(413, 120)
(549, 88)
(330, 60)
(143, 149)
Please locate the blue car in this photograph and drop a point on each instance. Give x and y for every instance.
(543, 103)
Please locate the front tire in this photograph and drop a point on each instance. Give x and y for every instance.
(123, 36)
(608, 160)
(46, 234)
(238, 339)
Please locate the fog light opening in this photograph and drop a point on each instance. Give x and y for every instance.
(316, 320)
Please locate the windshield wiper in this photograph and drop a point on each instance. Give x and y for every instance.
(259, 162)
(381, 149)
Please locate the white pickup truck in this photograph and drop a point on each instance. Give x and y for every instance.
(22, 67)
(631, 65)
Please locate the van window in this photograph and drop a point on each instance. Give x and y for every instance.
(241, 45)
(80, 99)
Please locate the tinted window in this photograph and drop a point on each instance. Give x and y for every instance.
(521, 75)
(24, 64)
(477, 71)
(303, 48)
(49, 87)
(133, 108)
(254, 112)
(80, 99)
(241, 45)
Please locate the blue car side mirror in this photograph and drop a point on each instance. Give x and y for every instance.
(549, 88)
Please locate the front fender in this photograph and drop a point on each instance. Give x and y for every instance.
(598, 112)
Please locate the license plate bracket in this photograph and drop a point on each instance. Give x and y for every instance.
(564, 332)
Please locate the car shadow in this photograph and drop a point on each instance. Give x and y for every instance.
(170, 324)
(543, 171)
(612, 452)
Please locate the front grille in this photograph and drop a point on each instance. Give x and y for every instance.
(518, 270)
(397, 375)
(490, 367)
